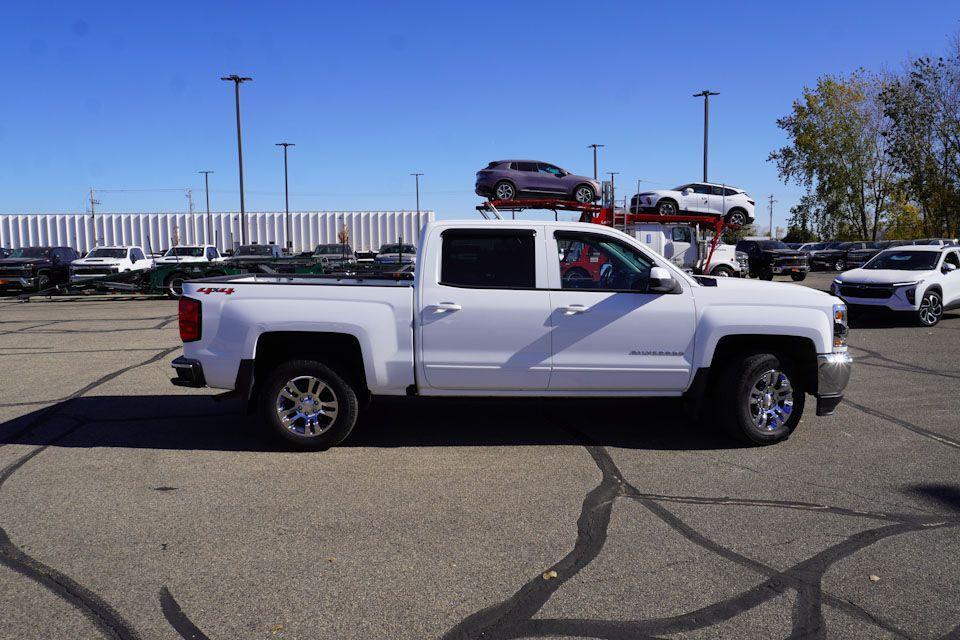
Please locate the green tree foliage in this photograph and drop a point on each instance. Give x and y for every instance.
(924, 141)
(838, 152)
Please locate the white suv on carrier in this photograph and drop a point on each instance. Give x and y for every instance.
(734, 205)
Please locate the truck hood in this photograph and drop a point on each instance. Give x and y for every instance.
(770, 293)
(21, 262)
(176, 259)
(109, 262)
(883, 276)
(784, 253)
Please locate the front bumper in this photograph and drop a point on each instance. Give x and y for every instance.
(17, 283)
(801, 268)
(833, 374)
(189, 372)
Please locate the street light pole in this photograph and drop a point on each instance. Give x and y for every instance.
(705, 94)
(237, 81)
(594, 147)
(286, 194)
(416, 177)
(613, 191)
(206, 191)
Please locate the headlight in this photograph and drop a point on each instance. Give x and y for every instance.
(841, 326)
(742, 256)
(905, 284)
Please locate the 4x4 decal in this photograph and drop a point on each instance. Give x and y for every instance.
(209, 290)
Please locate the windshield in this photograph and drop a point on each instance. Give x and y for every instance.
(772, 244)
(108, 253)
(904, 260)
(395, 248)
(255, 250)
(30, 252)
(812, 247)
(332, 250)
(192, 252)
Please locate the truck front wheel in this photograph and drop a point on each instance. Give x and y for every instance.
(762, 397)
(308, 404)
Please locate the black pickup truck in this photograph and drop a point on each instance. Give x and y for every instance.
(768, 258)
(36, 268)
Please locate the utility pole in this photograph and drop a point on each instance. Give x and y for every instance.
(705, 94)
(770, 207)
(613, 191)
(237, 81)
(638, 196)
(286, 194)
(189, 200)
(93, 215)
(594, 147)
(206, 191)
(416, 177)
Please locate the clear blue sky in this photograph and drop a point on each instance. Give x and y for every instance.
(127, 95)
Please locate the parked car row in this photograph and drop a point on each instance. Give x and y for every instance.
(31, 269)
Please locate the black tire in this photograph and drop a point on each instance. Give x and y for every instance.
(584, 194)
(839, 265)
(742, 399)
(766, 274)
(736, 217)
(722, 271)
(931, 309)
(173, 285)
(668, 207)
(43, 282)
(798, 277)
(504, 190)
(336, 392)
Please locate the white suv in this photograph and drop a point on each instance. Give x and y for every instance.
(922, 279)
(734, 205)
(107, 261)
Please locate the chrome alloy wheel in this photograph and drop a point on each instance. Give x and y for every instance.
(583, 195)
(505, 191)
(739, 218)
(667, 208)
(930, 309)
(771, 400)
(307, 406)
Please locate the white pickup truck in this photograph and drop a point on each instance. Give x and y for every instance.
(489, 314)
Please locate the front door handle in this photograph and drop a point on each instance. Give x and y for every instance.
(447, 306)
(572, 309)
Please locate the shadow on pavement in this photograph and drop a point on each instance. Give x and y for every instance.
(202, 423)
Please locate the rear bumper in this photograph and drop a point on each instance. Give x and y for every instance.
(833, 374)
(189, 373)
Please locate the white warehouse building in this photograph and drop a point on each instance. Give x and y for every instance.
(367, 230)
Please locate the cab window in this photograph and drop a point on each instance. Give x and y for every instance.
(703, 189)
(599, 263)
(681, 234)
(527, 166)
(551, 170)
(489, 259)
(952, 258)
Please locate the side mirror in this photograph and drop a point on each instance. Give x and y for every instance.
(948, 267)
(687, 191)
(661, 281)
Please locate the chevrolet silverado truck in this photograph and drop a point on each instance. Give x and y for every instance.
(487, 313)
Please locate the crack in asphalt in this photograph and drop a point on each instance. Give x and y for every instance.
(900, 365)
(909, 426)
(513, 618)
(92, 606)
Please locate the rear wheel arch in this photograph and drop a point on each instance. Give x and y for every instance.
(338, 351)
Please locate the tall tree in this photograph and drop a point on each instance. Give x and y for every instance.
(838, 152)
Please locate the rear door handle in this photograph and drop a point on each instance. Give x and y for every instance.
(572, 309)
(447, 306)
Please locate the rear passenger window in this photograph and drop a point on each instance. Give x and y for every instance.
(495, 259)
(528, 166)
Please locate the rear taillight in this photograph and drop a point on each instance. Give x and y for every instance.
(190, 319)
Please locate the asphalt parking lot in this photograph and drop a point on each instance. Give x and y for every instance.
(130, 508)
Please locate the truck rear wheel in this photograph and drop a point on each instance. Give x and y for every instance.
(762, 398)
(308, 404)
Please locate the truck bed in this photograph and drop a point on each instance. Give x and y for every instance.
(329, 279)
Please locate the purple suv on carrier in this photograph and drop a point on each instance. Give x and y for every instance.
(512, 179)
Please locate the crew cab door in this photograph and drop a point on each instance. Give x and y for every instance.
(484, 320)
(951, 279)
(699, 200)
(609, 332)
